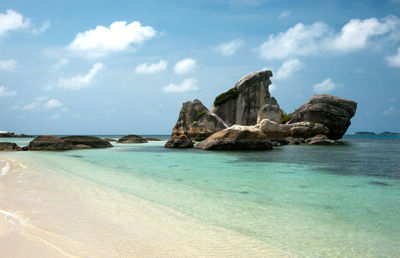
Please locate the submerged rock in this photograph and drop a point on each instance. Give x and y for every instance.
(320, 140)
(236, 138)
(132, 138)
(49, 142)
(196, 121)
(91, 141)
(9, 146)
(241, 104)
(333, 112)
(181, 142)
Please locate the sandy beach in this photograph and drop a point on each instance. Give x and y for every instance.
(53, 214)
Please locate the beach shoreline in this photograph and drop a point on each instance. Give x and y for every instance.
(104, 223)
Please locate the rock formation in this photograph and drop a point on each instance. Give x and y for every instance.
(241, 104)
(236, 137)
(132, 138)
(49, 142)
(182, 142)
(255, 119)
(54, 143)
(90, 141)
(9, 146)
(333, 112)
(110, 139)
(196, 121)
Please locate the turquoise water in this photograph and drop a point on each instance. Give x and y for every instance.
(306, 200)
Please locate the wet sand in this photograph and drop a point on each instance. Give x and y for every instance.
(59, 215)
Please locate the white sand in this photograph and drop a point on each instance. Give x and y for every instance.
(60, 215)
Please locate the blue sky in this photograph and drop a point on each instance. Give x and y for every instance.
(119, 67)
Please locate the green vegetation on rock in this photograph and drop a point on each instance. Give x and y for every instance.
(200, 114)
(222, 98)
(285, 117)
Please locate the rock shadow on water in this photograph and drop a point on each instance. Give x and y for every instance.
(76, 156)
(378, 183)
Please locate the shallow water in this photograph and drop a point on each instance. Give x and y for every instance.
(303, 200)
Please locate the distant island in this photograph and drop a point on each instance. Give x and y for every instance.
(373, 133)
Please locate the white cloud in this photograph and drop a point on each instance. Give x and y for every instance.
(118, 37)
(288, 68)
(12, 20)
(77, 115)
(63, 62)
(8, 65)
(317, 38)
(284, 15)
(52, 103)
(394, 61)
(299, 40)
(80, 81)
(185, 65)
(189, 84)
(7, 93)
(45, 25)
(32, 106)
(325, 86)
(356, 33)
(229, 48)
(151, 68)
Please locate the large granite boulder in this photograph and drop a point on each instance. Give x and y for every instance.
(9, 146)
(197, 122)
(236, 138)
(132, 138)
(304, 129)
(271, 129)
(49, 142)
(86, 142)
(179, 142)
(110, 139)
(270, 111)
(241, 104)
(333, 112)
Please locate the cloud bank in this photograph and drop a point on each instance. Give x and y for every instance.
(317, 38)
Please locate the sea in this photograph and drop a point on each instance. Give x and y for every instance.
(294, 200)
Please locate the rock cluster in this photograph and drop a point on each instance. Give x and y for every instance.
(9, 146)
(54, 143)
(254, 117)
(13, 135)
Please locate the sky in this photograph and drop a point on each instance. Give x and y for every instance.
(122, 67)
